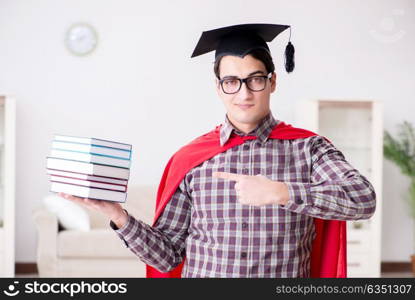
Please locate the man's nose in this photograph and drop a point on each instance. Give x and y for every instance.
(244, 93)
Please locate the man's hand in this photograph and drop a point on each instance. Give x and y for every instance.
(257, 190)
(112, 210)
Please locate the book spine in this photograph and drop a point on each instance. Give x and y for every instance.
(91, 183)
(87, 192)
(93, 141)
(94, 169)
(91, 148)
(77, 175)
(91, 158)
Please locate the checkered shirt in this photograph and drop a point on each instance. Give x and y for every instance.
(220, 237)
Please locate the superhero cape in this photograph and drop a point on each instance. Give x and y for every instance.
(328, 254)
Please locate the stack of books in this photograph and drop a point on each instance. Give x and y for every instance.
(89, 168)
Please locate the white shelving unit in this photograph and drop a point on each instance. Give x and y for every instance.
(355, 127)
(7, 185)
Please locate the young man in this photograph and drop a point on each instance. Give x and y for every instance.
(245, 199)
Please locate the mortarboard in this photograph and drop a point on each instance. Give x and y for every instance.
(239, 40)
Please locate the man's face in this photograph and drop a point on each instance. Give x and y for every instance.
(245, 108)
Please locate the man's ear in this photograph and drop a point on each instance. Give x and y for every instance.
(273, 80)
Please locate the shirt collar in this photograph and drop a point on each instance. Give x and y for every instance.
(262, 131)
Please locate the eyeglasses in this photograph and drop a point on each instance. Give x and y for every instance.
(232, 85)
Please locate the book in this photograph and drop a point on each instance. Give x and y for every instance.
(92, 149)
(88, 192)
(92, 158)
(92, 141)
(94, 184)
(86, 177)
(87, 168)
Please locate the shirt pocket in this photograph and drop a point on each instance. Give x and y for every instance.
(294, 171)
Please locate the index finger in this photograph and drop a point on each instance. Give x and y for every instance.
(227, 175)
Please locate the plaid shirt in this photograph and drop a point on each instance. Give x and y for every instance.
(222, 238)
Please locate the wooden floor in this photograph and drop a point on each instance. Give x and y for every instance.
(398, 275)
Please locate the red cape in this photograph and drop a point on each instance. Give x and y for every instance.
(328, 255)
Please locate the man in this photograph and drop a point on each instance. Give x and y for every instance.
(243, 200)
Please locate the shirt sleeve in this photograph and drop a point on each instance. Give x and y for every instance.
(161, 246)
(336, 190)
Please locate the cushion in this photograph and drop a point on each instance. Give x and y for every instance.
(70, 215)
(97, 243)
(141, 201)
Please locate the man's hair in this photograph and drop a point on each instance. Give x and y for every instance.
(259, 54)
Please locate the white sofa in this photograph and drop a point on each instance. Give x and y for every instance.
(98, 252)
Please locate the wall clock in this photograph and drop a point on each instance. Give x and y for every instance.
(81, 39)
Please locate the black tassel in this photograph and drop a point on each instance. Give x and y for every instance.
(289, 57)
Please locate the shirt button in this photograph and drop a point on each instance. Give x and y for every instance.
(244, 225)
(245, 171)
(243, 254)
(299, 201)
(246, 147)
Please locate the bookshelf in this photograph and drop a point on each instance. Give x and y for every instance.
(7, 185)
(355, 128)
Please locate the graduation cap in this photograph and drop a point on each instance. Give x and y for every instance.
(239, 40)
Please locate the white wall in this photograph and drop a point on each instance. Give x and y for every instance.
(141, 87)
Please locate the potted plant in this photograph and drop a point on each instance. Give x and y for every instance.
(401, 151)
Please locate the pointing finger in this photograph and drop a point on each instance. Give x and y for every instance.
(228, 176)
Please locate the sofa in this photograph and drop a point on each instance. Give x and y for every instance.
(97, 252)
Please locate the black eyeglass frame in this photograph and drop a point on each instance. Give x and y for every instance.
(244, 80)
